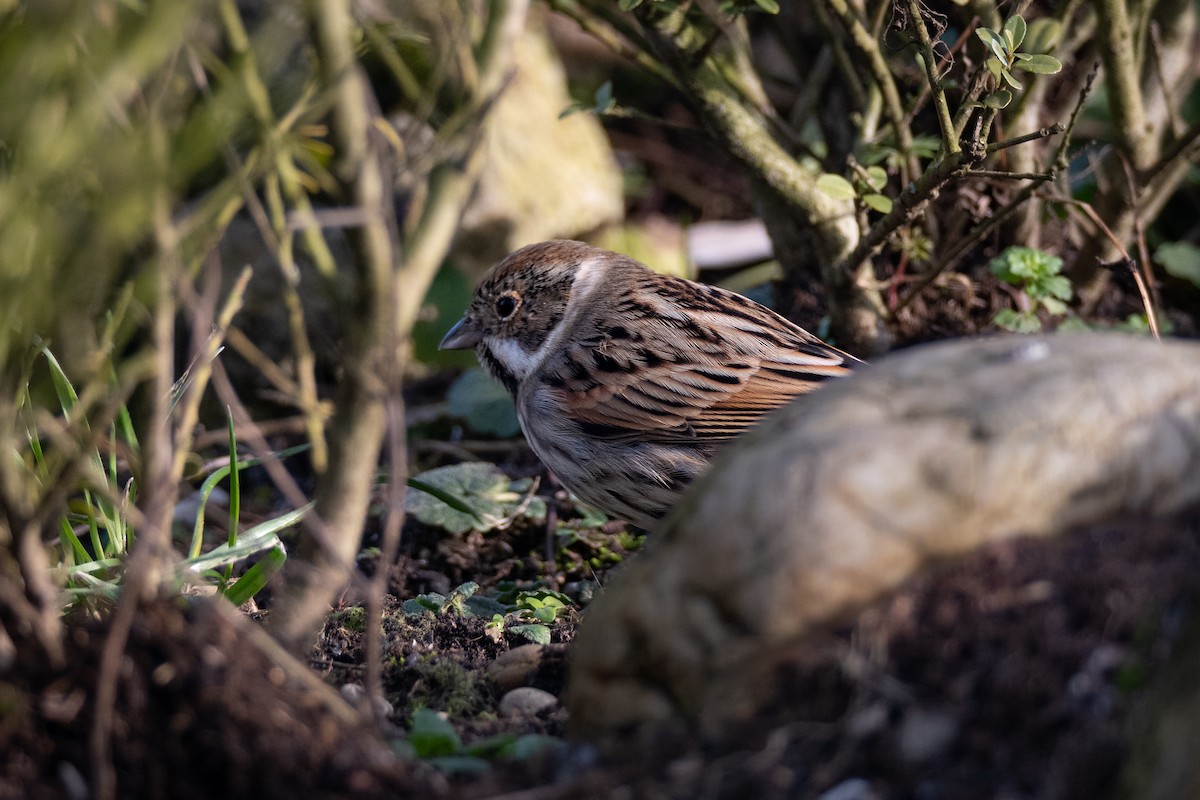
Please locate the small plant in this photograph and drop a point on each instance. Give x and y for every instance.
(1039, 275)
(527, 613)
(433, 739)
(96, 534)
(1005, 57)
(472, 496)
(865, 188)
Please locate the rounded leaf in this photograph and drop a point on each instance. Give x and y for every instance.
(879, 202)
(876, 177)
(1043, 35)
(1040, 64)
(994, 43)
(836, 186)
(998, 99)
(1014, 31)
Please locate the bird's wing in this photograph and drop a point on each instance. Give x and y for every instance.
(703, 367)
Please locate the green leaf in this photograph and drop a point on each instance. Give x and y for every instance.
(1053, 305)
(1057, 286)
(484, 404)
(1043, 35)
(998, 99)
(432, 735)
(994, 42)
(836, 186)
(1014, 31)
(67, 398)
(879, 202)
(769, 6)
(1018, 322)
(1180, 260)
(1010, 80)
(603, 101)
(425, 603)
(994, 67)
(876, 177)
(260, 538)
(534, 632)
(469, 496)
(1038, 64)
(254, 579)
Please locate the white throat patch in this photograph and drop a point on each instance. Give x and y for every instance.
(522, 363)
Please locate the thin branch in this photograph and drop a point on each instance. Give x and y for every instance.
(1012, 176)
(964, 245)
(868, 47)
(1040, 133)
(1183, 147)
(610, 37)
(949, 139)
(1143, 289)
(908, 205)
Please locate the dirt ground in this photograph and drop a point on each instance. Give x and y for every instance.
(1013, 674)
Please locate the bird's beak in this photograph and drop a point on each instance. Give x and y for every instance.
(463, 336)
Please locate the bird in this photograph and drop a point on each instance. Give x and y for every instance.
(627, 382)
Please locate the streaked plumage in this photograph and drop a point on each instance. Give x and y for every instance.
(627, 382)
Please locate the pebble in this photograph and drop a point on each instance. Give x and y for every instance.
(925, 734)
(354, 693)
(526, 701)
(516, 667)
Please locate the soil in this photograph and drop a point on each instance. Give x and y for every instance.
(1010, 674)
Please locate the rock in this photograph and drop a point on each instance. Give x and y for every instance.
(355, 694)
(926, 734)
(526, 701)
(516, 667)
(543, 177)
(850, 789)
(844, 494)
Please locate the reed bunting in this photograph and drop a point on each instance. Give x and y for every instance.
(627, 382)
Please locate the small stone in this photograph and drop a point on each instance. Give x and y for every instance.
(517, 667)
(926, 734)
(354, 694)
(526, 701)
(849, 789)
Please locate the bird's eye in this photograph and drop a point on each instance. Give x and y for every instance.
(506, 305)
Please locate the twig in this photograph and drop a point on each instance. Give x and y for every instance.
(1174, 120)
(1016, 176)
(949, 139)
(1181, 148)
(616, 41)
(1060, 154)
(964, 245)
(1040, 133)
(927, 90)
(868, 47)
(157, 485)
(910, 203)
(1143, 289)
(1140, 237)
